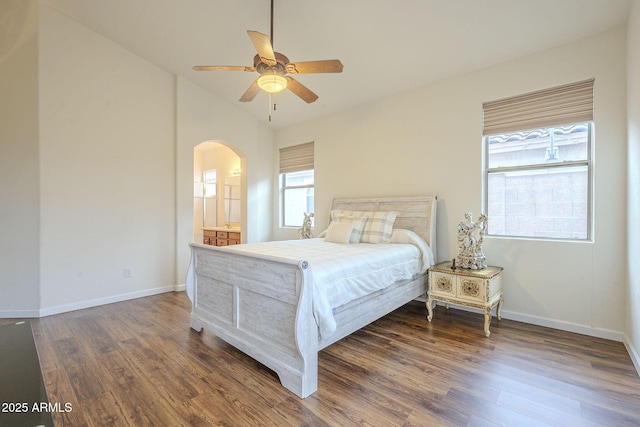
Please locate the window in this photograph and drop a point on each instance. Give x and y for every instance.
(209, 179)
(537, 181)
(297, 197)
(296, 183)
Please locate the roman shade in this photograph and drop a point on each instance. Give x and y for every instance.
(296, 158)
(561, 105)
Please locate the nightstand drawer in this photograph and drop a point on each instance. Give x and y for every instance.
(471, 289)
(443, 284)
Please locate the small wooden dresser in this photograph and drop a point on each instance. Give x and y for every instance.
(221, 236)
(480, 289)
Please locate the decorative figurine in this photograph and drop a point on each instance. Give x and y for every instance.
(470, 236)
(305, 230)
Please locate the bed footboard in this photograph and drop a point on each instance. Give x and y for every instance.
(260, 305)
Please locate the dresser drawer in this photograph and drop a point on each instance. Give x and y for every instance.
(209, 237)
(471, 289)
(443, 284)
(221, 238)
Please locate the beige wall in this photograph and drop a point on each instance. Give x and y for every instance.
(97, 169)
(632, 296)
(107, 172)
(428, 141)
(19, 177)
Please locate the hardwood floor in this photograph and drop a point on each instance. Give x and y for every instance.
(138, 363)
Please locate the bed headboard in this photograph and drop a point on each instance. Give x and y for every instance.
(417, 214)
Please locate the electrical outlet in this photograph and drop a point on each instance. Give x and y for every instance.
(127, 273)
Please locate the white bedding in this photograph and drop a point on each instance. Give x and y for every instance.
(343, 272)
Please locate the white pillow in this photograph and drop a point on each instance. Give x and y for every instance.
(358, 226)
(339, 232)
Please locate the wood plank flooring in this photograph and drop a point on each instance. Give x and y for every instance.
(137, 363)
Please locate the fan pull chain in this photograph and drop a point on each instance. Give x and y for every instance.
(272, 103)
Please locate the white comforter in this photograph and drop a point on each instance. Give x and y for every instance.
(341, 273)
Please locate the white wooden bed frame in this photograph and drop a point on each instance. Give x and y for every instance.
(262, 304)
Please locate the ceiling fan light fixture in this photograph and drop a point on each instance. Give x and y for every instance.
(272, 83)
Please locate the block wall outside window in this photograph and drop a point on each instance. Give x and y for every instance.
(538, 183)
(539, 205)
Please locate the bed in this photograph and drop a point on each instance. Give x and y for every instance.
(268, 306)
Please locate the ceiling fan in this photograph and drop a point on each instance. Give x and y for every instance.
(273, 68)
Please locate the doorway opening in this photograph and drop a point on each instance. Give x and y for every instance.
(218, 194)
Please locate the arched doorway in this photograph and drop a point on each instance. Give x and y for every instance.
(219, 194)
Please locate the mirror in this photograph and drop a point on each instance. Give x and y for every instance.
(232, 211)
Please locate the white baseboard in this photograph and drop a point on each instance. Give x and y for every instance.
(49, 311)
(633, 353)
(571, 327)
(565, 326)
(19, 314)
(554, 324)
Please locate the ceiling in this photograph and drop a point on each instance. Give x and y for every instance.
(387, 47)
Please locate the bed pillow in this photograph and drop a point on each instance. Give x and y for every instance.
(357, 221)
(339, 232)
(378, 226)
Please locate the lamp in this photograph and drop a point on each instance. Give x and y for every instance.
(272, 82)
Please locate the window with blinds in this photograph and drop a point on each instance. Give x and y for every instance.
(537, 163)
(296, 183)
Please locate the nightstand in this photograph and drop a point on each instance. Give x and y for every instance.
(481, 289)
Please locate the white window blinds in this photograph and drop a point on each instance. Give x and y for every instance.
(561, 105)
(296, 158)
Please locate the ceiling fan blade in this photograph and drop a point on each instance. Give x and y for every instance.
(223, 68)
(251, 92)
(310, 67)
(301, 90)
(262, 44)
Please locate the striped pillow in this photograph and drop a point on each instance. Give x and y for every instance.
(378, 226)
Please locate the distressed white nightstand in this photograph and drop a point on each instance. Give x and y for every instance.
(480, 289)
